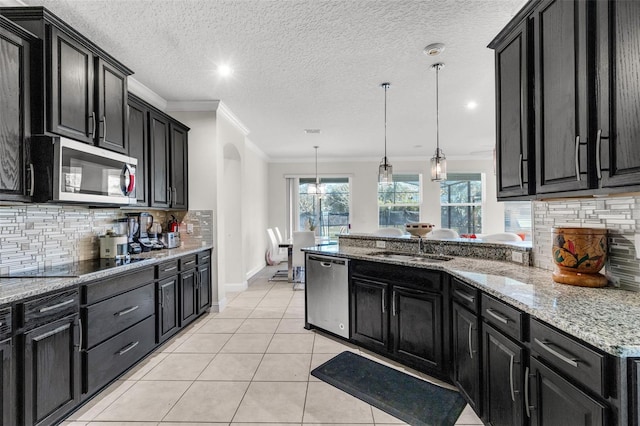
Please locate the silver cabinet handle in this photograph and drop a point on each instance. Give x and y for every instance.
(464, 296)
(32, 178)
(174, 196)
(59, 305)
(393, 303)
(526, 392)
(104, 127)
(191, 262)
(93, 125)
(383, 293)
(470, 340)
(161, 298)
(520, 171)
(598, 155)
(513, 395)
(173, 268)
(169, 196)
(497, 316)
(578, 158)
(128, 348)
(80, 330)
(0, 323)
(206, 258)
(127, 311)
(547, 346)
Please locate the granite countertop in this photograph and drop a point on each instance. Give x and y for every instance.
(606, 317)
(15, 289)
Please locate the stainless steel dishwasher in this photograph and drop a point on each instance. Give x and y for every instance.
(327, 292)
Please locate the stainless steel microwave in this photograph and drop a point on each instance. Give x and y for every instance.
(66, 171)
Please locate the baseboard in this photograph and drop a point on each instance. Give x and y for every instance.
(219, 305)
(234, 287)
(254, 271)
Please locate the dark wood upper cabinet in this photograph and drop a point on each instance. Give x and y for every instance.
(79, 90)
(515, 158)
(179, 168)
(15, 53)
(160, 186)
(618, 94)
(138, 138)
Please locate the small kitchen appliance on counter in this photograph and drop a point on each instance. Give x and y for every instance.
(113, 246)
(170, 239)
(579, 254)
(141, 236)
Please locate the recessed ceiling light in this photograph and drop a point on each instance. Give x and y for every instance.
(225, 70)
(312, 131)
(472, 105)
(434, 49)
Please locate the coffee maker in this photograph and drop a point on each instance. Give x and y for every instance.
(142, 224)
(132, 224)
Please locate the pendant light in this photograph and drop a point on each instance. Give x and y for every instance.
(316, 188)
(385, 171)
(438, 161)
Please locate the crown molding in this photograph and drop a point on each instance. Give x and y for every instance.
(225, 112)
(146, 94)
(256, 150)
(192, 106)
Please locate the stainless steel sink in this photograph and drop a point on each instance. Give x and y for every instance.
(410, 257)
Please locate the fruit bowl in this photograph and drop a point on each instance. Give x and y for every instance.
(419, 229)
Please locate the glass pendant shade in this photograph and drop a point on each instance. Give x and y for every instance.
(438, 166)
(316, 188)
(385, 172)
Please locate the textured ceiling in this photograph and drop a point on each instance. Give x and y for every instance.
(314, 64)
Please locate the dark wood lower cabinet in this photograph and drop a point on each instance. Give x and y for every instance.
(6, 382)
(204, 287)
(466, 356)
(416, 326)
(51, 371)
(503, 372)
(188, 293)
(369, 313)
(168, 308)
(555, 401)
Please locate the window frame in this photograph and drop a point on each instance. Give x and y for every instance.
(417, 204)
(481, 203)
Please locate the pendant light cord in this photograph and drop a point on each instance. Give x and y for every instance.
(437, 114)
(386, 86)
(316, 147)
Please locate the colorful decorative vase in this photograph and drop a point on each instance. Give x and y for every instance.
(579, 254)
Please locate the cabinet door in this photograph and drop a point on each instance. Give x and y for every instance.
(51, 371)
(618, 100)
(554, 401)
(466, 356)
(188, 303)
(14, 115)
(515, 171)
(138, 148)
(159, 164)
(503, 372)
(71, 111)
(167, 308)
(416, 318)
(6, 386)
(112, 107)
(560, 49)
(369, 313)
(204, 287)
(179, 168)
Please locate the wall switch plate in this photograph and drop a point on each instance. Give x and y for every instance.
(381, 244)
(516, 256)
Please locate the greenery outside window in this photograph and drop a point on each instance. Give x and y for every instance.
(461, 203)
(517, 218)
(327, 215)
(399, 202)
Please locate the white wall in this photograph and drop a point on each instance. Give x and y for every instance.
(364, 181)
(254, 215)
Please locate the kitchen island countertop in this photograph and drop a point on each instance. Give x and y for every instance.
(15, 289)
(607, 318)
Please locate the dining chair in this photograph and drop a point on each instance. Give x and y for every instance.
(278, 234)
(389, 232)
(275, 256)
(442, 234)
(301, 239)
(501, 236)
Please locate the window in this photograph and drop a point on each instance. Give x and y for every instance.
(461, 203)
(517, 218)
(399, 202)
(329, 214)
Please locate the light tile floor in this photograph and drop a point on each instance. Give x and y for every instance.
(248, 365)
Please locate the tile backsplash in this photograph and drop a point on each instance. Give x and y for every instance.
(37, 236)
(619, 215)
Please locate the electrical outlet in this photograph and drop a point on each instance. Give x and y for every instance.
(189, 228)
(516, 256)
(381, 244)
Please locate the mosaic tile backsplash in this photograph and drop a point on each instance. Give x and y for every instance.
(37, 236)
(619, 215)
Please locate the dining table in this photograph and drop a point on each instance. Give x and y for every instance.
(288, 244)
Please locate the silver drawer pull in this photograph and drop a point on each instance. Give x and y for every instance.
(547, 346)
(173, 268)
(126, 311)
(497, 316)
(1, 323)
(577, 158)
(59, 305)
(464, 296)
(527, 407)
(128, 348)
(191, 262)
(206, 258)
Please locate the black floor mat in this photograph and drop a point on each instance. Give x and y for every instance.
(408, 398)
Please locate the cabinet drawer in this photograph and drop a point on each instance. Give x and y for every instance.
(187, 262)
(465, 295)
(113, 315)
(6, 325)
(107, 360)
(570, 356)
(204, 257)
(505, 318)
(166, 269)
(105, 288)
(418, 278)
(49, 308)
